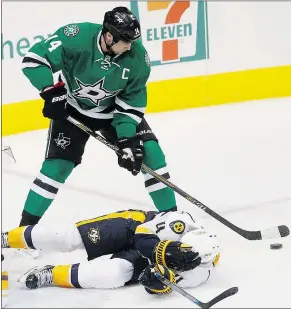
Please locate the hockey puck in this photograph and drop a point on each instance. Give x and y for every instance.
(276, 246)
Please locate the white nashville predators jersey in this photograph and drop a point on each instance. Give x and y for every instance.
(169, 225)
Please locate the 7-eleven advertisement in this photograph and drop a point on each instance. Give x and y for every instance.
(173, 31)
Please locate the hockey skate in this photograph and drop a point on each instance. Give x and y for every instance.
(37, 277)
(30, 253)
(4, 240)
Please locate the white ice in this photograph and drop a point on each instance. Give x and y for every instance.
(234, 158)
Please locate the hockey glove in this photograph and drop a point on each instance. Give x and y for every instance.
(133, 156)
(153, 285)
(55, 99)
(176, 255)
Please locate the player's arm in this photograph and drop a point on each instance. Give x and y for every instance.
(130, 108)
(146, 240)
(45, 58)
(131, 101)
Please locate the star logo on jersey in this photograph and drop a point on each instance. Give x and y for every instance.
(177, 226)
(95, 93)
(94, 235)
(71, 30)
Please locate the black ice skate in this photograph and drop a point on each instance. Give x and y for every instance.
(39, 277)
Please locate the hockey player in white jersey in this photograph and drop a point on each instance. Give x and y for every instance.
(140, 241)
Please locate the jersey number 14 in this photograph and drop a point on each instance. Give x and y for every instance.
(53, 44)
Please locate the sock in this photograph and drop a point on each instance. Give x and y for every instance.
(162, 196)
(44, 189)
(21, 237)
(28, 219)
(66, 276)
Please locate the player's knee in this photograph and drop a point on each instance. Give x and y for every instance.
(154, 156)
(121, 272)
(57, 169)
(72, 239)
(105, 274)
(137, 262)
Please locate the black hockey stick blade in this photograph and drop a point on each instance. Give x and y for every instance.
(279, 231)
(220, 297)
(193, 299)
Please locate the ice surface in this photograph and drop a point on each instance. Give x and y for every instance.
(234, 158)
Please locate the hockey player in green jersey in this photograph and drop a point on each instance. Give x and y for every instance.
(102, 70)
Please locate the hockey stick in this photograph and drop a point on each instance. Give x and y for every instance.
(193, 299)
(278, 231)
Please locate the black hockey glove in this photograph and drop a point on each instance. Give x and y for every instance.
(176, 255)
(132, 158)
(153, 285)
(55, 99)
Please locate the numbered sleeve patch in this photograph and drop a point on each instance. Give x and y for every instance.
(71, 30)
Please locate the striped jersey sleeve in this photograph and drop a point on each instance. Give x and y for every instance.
(131, 102)
(51, 55)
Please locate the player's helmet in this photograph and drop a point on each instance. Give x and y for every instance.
(122, 25)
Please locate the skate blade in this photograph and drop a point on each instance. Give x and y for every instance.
(22, 279)
(28, 253)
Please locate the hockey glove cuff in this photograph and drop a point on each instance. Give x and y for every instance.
(176, 255)
(55, 99)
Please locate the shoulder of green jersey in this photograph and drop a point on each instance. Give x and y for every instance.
(78, 37)
(81, 29)
(141, 54)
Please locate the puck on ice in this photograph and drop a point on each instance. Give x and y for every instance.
(276, 246)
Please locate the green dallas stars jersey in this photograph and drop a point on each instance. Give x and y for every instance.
(98, 86)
